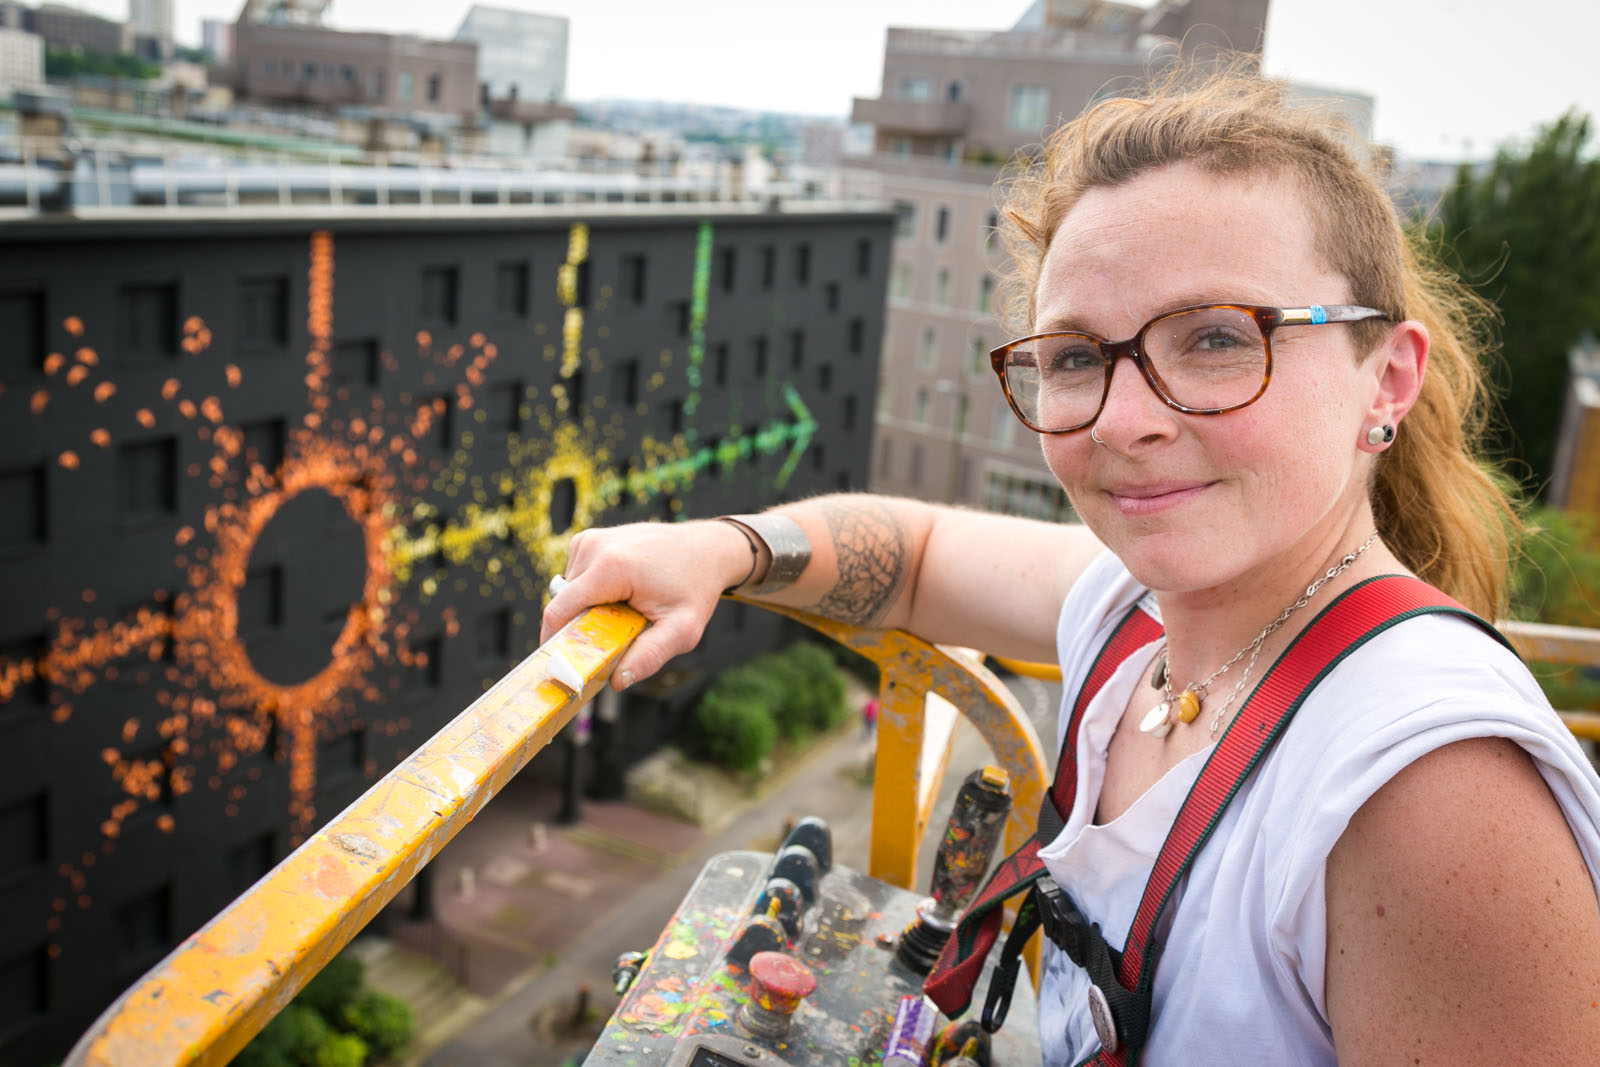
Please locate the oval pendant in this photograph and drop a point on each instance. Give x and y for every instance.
(1158, 677)
(1188, 706)
(1157, 721)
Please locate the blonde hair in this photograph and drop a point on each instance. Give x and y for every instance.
(1441, 510)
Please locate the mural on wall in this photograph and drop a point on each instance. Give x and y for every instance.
(496, 532)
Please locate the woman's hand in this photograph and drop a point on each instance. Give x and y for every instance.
(671, 573)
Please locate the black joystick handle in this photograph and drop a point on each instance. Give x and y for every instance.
(814, 834)
(976, 820)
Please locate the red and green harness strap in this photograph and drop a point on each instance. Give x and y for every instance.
(1121, 981)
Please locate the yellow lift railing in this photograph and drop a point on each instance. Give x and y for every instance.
(207, 999)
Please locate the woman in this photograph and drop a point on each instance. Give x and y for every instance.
(1410, 875)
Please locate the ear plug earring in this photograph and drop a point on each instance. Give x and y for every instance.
(1380, 435)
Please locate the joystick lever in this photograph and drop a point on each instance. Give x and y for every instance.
(976, 819)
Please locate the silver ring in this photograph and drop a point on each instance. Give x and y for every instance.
(1094, 435)
(557, 583)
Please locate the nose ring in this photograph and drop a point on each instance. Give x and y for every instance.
(1094, 435)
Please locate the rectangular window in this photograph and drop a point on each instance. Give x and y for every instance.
(679, 310)
(341, 758)
(830, 296)
(433, 88)
(719, 363)
(439, 290)
(675, 416)
(147, 322)
(985, 293)
(824, 377)
(627, 386)
(263, 312)
(377, 84)
(22, 325)
(941, 225)
(353, 361)
(802, 264)
(24, 834)
(632, 278)
(263, 442)
(24, 988)
(915, 87)
(863, 258)
(885, 457)
(147, 479)
(246, 863)
(941, 287)
(928, 353)
(914, 474)
(493, 642)
(502, 406)
(269, 67)
(511, 289)
(404, 84)
(905, 220)
(900, 282)
(427, 663)
(727, 261)
(769, 266)
(855, 337)
(22, 508)
(818, 456)
(144, 926)
(1029, 108)
(797, 348)
(848, 412)
(440, 431)
(758, 356)
(1004, 422)
(978, 363)
(575, 393)
(919, 413)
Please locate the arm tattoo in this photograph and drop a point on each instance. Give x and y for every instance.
(870, 550)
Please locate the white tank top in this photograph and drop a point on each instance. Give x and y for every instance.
(1241, 946)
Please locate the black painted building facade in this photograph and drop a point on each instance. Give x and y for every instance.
(280, 496)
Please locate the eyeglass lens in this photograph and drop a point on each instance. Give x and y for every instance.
(1213, 357)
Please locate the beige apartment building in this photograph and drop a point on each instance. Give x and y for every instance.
(954, 106)
(321, 67)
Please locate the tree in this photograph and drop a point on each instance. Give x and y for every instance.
(1526, 233)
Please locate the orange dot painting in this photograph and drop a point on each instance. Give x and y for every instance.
(431, 494)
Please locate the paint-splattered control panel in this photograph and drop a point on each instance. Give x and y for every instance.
(690, 1004)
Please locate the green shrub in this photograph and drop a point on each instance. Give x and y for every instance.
(734, 727)
(340, 1050)
(335, 988)
(384, 1022)
(819, 700)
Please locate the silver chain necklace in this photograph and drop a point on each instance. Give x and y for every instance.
(1157, 722)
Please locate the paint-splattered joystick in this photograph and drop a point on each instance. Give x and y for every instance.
(976, 819)
(778, 983)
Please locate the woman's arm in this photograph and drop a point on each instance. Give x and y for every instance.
(1462, 921)
(962, 577)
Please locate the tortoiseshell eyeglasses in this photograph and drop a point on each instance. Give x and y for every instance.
(1201, 360)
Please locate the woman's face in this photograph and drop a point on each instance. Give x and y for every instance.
(1195, 502)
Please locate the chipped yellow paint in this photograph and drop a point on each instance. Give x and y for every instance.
(223, 984)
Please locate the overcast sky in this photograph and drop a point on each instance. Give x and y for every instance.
(1451, 77)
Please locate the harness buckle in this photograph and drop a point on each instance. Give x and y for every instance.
(1121, 1016)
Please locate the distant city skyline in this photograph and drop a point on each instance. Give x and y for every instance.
(1452, 78)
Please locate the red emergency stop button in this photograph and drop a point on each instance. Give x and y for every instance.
(778, 983)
